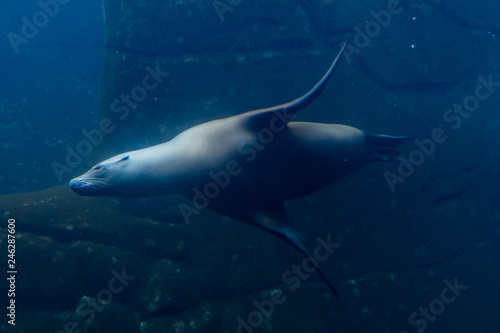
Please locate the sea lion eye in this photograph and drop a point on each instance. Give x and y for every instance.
(97, 168)
(124, 158)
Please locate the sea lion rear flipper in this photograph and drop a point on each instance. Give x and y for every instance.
(384, 147)
(261, 118)
(276, 222)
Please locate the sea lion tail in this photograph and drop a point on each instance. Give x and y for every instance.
(384, 147)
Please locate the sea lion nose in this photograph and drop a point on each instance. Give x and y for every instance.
(72, 184)
(77, 186)
(88, 186)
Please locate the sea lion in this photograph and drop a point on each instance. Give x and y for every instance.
(246, 166)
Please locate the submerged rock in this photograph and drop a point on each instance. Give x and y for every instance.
(91, 316)
(202, 318)
(166, 288)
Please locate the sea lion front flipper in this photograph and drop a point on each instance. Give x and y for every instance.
(285, 112)
(276, 222)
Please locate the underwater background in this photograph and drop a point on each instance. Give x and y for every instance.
(416, 239)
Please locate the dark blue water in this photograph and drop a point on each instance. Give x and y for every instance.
(417, 238)
(49, 89)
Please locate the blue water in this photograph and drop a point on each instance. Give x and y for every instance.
(49, 89)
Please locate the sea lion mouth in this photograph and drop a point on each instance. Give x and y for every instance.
(88, 186)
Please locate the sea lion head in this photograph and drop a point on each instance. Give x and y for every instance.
(108, 178)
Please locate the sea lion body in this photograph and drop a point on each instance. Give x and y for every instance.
(245, 166)
(279, 165)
